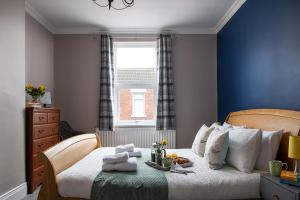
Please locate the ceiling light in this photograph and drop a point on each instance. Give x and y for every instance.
(109, 4)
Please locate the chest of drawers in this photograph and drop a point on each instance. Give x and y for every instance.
(272, 189)
(42, 132)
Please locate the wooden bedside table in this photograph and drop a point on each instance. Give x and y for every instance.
(272, 189)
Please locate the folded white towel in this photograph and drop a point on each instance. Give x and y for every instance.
(116, 158)
(135, 153)
(123, 148)
(130, 165)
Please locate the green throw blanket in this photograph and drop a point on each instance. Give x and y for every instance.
(146, 183)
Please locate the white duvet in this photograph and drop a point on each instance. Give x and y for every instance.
(227, 183)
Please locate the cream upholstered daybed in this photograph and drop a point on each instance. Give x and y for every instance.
(62, 157)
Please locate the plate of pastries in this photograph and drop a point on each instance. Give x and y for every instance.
(183, 162)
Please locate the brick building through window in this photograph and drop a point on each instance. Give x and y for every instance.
(135, 83)
(136, 105)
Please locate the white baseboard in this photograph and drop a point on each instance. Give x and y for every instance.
(16, 193)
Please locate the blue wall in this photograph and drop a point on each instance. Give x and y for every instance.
(259, 57)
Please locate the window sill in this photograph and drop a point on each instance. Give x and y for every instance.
(138, 116)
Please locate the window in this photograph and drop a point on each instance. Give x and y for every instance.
(135, 83)
(138, 103)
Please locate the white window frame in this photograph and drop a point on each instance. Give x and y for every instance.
(135, 93)
(118, 87)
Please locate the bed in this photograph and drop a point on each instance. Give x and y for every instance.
(64, 163)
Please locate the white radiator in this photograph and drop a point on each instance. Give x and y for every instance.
(140, 137)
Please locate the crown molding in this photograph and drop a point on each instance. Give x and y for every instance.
(131, 31)
(222, 22)
(38, 17)
(231, 11)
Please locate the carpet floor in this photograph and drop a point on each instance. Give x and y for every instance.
(32, 196)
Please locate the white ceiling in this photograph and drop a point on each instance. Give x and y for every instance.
(179, 16)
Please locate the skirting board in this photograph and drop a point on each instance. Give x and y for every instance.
(16, 193)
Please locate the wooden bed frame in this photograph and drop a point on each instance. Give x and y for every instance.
(63, 155)
(60, 157)
(268, 120)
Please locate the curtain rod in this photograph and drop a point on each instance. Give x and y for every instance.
(136, 35)
(135, 31)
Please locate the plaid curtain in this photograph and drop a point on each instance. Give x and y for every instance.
(166, 103)
(106, 84)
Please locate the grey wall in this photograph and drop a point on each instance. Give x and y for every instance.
(195, 75)
(12, 95)
(77, 72)
(39, 54)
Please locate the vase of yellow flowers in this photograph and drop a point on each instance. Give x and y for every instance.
(160, 151)
(35, 92)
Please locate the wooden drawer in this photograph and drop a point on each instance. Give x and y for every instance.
(53, 117)
(45, 130)
(38, 176)
(36, 161)
(40, 118)
(40, 145)
(272, 191)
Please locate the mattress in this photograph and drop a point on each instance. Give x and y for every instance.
(205, 183)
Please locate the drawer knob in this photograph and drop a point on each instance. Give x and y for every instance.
(41, 118)
(41, 131)
(275, 196)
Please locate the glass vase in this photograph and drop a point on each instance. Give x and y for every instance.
(159, 156)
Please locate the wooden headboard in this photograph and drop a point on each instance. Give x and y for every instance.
(270, 119)
(60, 157)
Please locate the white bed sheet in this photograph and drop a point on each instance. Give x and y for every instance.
(227, 183)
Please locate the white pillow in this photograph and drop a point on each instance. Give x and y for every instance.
(215, 124)
(216, 148)
(199, 143)
(218, 126)
(269, 147)
(225, 124)
(244, 148)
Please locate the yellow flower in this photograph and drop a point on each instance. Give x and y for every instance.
(42, 87)
(164, 142)
(28, 86)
